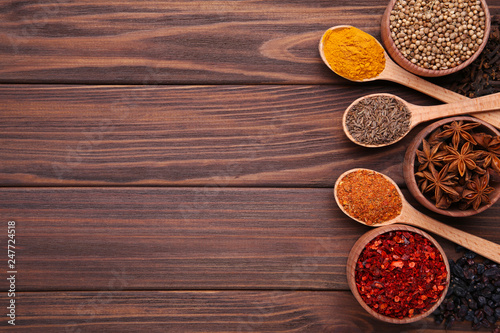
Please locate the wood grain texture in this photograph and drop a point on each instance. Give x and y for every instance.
(186, 135)
(203, 311)
(172, 41)
(187, 238)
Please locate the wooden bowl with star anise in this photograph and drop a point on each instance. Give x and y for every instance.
(452, 167)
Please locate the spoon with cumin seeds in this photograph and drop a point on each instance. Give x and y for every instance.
(379, 120)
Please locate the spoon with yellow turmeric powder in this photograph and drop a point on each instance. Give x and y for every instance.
(357, 56)
(379, 120)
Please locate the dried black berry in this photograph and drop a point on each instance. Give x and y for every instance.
(492, 272)
(473, 295)
(488, 311)
(472, 304)
(457, 271)
(459, 291)
(470, 315)
(485, 323)
(450, 305)
(470, 274)
(479, 315)
(462, 311)
(449, 322)
(470, 255)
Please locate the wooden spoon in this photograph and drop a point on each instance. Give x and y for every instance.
(411, 216)
(418, 114)
(392, 72)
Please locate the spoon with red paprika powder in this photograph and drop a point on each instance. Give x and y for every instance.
(378, 120)
(373, 199)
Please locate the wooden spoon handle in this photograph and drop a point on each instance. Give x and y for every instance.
(397, 74)
(480, 104)
(479, 245)
(394, 73)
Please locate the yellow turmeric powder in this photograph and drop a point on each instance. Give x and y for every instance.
(353, 54)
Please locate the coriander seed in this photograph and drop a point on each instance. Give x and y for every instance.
(438, 35)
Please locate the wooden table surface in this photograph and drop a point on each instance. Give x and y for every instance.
(169, 166)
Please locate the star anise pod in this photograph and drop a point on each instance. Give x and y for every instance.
(477, 191)
(457, 130)
(491, 155)
(463, 160)
(433, 138)
(444, 203)
(422, 182)
(430, 155)
(441, 182)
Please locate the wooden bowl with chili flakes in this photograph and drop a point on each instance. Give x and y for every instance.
(398, 273)
(436, 31)
(420, 178)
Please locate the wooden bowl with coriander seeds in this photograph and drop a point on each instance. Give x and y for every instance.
(432, 39)
(384, 273)
(458, 155)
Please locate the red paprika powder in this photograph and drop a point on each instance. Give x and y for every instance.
(400, 274)
(369, 197)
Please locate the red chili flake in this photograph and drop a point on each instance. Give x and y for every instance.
(405, 287)
(369, 197)
(398, 264)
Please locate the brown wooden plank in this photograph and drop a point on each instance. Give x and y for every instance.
(152, 42)
(172, 42)
(185, 135)
(201, 311)
(187, 238)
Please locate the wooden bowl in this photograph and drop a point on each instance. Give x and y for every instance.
(396, 55)
(356, 252)
(411, 158)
